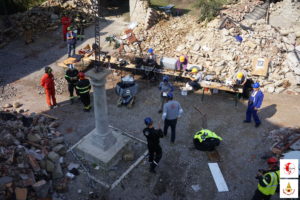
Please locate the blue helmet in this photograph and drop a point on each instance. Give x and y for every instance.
(150, 50)
(170, 95)
(165, 78)
(148, 121)
(256, 85)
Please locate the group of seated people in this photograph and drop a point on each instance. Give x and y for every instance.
(239, 80)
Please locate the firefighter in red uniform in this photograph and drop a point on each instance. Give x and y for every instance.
(47, 82)
(66, 22)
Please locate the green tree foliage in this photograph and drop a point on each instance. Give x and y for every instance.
(209, 9)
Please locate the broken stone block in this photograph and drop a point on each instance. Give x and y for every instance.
(41, 188)
(279, 90)
(34, 137)
(73, 166)
(50, 166)
(57, 140)
(271, 89)
(57, 173)
(180, 48)
(53, 156)
(54, 125)
(196, 47)
(8, 105)
(5, 180)
(21, 193)
(128, 156)
(60, 149)
(17, 105)
(34, 164)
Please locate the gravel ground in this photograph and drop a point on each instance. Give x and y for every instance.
(181, 166)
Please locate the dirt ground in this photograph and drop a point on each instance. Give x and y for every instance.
(181, 166)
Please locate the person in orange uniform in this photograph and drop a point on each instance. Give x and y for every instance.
(47, 82)
(66, 22)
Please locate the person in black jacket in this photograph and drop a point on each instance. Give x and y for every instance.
(153, 135)
(72, 77)
(83, 88)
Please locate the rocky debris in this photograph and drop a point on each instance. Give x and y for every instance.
(60, 86)
(30, 154)
(239, 10)
(7, 92)
(285, 16)
(285, 136)
(42, 19)
(221, 54)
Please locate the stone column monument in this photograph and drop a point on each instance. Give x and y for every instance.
(102, 144)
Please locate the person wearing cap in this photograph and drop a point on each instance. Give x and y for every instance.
(206, 140)
(182, 63)
(83, 88)
(254, 104)
(242, 81)
(151, 58)
(71, 41)
(79, 24)
(165, 87)
(153, 135)
(47, 82)
(72, 78)
(171, 112)
(268, 181)
(66, 22)
(196, 78)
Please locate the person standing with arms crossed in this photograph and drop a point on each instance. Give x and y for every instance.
(171, 112)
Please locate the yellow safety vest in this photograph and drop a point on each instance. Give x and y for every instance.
(204, 134)
(271, 187)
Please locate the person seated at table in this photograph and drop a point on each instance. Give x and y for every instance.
(150, 59)
(241, 80)
(206, 140)
(196, 78)
(182, 63)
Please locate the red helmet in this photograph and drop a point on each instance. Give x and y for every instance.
(272, 161)
(81, 75)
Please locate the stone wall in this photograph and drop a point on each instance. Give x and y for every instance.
(138, 10)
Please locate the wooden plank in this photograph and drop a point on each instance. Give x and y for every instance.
(218, 177)
(213, 156)
(260, 66)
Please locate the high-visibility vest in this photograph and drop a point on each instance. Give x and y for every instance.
(204, 134)
(271, 187)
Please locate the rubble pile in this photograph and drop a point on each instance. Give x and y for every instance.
(221, 54)
(239, 10)
(285, 136)
(41, 19)
(31, 154)
(7, 91)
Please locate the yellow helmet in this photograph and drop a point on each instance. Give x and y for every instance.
(240, 75)
(194, 70)
(181, 58)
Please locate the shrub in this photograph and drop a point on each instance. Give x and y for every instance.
(209, 9)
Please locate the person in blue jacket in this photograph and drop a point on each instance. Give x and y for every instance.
(254, 104)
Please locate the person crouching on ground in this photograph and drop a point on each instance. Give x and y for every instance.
(206, 140)
(153, 135)
(196, 78)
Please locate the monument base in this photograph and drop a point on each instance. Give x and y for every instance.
(88, 148)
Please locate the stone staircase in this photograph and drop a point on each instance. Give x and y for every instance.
(258, 13)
